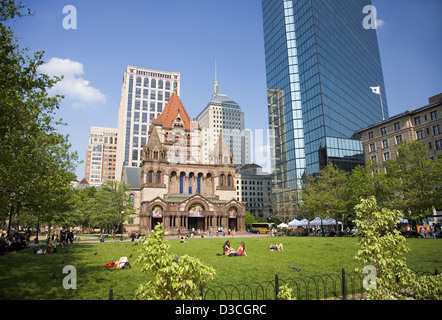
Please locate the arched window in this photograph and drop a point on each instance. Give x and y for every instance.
(190, 182)
(222, 177)
(229, 180)
(153, 83)
(160, 84)
(158, 177)
(198, 182)
(146, 82)
(167, 87)
(150, 177)
(182, 175)
(138, 81)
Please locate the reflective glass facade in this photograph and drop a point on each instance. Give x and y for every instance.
(320, 65)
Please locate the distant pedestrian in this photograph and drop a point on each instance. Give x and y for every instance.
(70, 236)
(63, 234)
(423, 231)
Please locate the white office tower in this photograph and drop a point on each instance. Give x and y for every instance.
(222, 114)
(144, 94)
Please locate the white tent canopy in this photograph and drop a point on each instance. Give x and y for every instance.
(330, 222)
(303, 223)
(283, 225)
(316, 222)
(403, 220)
(293, 223)
(325, 222)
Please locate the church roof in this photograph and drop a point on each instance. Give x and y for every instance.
(174, 108)
(84, 181)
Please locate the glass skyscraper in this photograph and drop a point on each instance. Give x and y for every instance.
(320, 64)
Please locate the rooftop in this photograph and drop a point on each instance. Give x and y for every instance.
(400, 115)
(174, 108)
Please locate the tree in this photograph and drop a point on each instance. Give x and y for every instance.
(324, 195)
(176, 278)
(112, 204)
(367, 181)
(36, 166)
(416, 179)
(382, 250)
(383, 247)
(84, 207)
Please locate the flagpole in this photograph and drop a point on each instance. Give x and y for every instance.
(382, 104)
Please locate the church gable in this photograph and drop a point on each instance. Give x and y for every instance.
(174, 114)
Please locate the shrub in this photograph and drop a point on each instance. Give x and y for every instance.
(176, 278)
(383, 247)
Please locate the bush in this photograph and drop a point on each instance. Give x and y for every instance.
(176, 278)
(383, 247)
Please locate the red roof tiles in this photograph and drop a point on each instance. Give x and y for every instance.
(171, 111)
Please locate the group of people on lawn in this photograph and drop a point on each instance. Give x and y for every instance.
(228, 251)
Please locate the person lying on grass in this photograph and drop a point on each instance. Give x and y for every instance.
(276, 247)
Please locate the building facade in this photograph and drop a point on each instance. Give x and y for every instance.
(176, 188)
(254, 189)
(423, 124)
(144, 94)
(320, 65)
(222, 114)
(101, 155)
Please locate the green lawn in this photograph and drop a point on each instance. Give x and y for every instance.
(25, 275)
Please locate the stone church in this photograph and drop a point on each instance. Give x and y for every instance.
(176, 189)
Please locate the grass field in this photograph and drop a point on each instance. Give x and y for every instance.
(25, 275)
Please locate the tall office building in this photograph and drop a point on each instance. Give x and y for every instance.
(101, 155)
(320, 65)
(144, 94)
(222, 114)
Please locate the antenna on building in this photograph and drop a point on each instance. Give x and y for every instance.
(215, 83)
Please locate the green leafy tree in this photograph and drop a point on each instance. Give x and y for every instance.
(324, 195)
(112, 204)
(367, 181)
(383, 247)
(176, 278)
(84, 207)
(36, 166)
(416, 179)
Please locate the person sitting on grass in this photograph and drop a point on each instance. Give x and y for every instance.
(242, 249)
(276, 247)
(50, 249)
(228, 251)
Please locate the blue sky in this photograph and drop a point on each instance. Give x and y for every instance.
(188, 36)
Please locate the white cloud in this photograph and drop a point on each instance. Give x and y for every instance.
(75, 89)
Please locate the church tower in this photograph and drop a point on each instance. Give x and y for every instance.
(178, 190)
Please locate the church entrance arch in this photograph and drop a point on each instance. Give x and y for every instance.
(196, 217)
(157, 216)
(233, 218)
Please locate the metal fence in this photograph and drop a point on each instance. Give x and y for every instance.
(339, 286)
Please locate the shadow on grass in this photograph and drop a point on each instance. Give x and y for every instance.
(25, 275)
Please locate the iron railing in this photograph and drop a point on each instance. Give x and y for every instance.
(339, 286)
